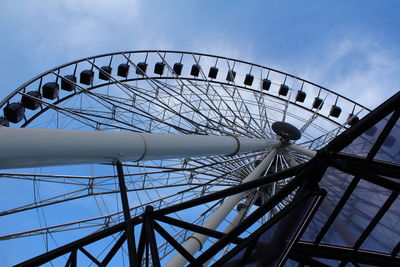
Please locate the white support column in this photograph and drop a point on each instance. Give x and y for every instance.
(26, 147)
(236, 220)
(301, 150)
(289, 159)
(195, 241)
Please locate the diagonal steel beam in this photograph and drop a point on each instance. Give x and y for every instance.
(346, 254)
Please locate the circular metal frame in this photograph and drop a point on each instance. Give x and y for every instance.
(189, 103)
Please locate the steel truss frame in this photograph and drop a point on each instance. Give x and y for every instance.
(161, 216)
(305, 185)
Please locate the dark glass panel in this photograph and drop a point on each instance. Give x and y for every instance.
(390, 150)
(356, 214)
(235, 260)
(271, 243)
(329, 262)
(386, 234)
(363, 144)
(335, 182)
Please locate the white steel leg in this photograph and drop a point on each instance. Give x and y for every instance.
(195, 242)
(301, 150)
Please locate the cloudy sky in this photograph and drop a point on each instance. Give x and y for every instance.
(348, 46)
(352, 47)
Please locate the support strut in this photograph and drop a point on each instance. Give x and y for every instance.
(127, 216)
(195, 242)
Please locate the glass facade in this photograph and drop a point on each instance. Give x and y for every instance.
(358, 221)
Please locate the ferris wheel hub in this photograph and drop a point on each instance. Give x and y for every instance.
(286, 131)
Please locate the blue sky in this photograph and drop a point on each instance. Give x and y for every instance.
(352, 47)
(348, 46)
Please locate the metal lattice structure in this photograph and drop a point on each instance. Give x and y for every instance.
(145, 210)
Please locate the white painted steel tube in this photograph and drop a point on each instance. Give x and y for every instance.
(195, 241)
(25, 147)
(290, 159)
(304, 151)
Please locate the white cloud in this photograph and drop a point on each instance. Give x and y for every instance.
(359, 68)
(66, 30)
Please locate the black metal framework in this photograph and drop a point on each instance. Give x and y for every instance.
(307, 186)
(127, 215)
(149, 218)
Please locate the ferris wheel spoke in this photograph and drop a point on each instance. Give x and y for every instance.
(285, 110)
(309, 122)
(150, 115)
(137, 110)
(149, 98)
(190, 107)
(229, 110)
(173, 115)
(314, 116)
(214, 124)
(211, 103)
(234, 101)
(229, 124)
(97, 116)
(35, 177)
(46, 202)
(245, 122)
(53, 229)
(262, 111)
(229, 172)
(192, 166)
(222, 171)
(204, 96)
(242, 102)
(98, 98)
(108, 216)
(155, 85)
(73, 115)
(74, 195)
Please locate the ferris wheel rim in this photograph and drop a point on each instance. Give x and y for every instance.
(25, 124)
(3, 101)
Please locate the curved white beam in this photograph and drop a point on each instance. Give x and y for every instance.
(25, 147)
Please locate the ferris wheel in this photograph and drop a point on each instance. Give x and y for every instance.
(91, 144)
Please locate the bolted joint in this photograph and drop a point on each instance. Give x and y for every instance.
(149, 209)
